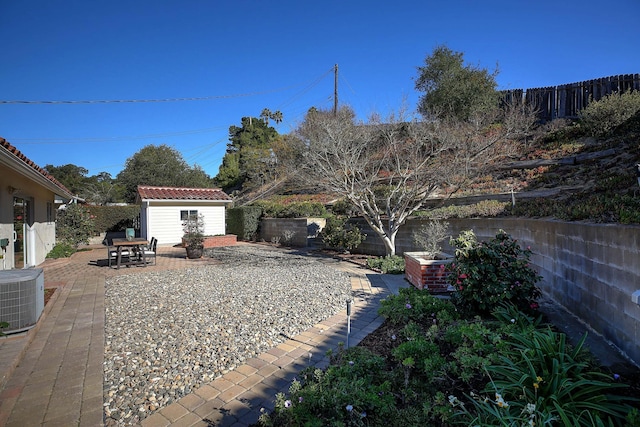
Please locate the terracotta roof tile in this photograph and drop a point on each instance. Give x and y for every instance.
(15, 152)
(178, 193)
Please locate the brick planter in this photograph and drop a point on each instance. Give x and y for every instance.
(218, 241)
(425, 272)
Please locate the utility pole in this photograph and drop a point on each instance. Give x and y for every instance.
(335, 90)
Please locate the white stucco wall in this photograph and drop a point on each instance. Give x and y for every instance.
(40, 236)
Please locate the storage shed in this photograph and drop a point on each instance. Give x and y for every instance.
(164, 210)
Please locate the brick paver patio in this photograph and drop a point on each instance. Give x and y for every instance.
(52, 375)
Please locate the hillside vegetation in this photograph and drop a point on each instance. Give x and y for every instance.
(572, 170)
(562, 173)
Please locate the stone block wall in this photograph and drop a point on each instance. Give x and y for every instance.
(590, 269)
(295, 229)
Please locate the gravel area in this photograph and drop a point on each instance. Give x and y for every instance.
(169, 332)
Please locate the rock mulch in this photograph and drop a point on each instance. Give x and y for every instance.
(167, 333)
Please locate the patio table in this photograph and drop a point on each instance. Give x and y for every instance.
(135, 245)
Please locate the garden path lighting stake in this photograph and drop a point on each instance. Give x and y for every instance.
(348, 320)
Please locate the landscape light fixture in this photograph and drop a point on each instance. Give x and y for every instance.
(348, 320)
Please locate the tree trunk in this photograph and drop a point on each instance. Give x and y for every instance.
(389, 243)
(388, 236)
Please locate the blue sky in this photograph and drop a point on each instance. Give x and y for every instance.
(243, 56)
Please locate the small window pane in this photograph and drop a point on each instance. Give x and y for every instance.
(184, 215)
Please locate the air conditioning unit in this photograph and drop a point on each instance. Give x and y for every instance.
(21, 298)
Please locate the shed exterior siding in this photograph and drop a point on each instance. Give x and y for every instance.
(162, 219)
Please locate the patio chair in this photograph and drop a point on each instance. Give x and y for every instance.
(112, 252)
(150, 251)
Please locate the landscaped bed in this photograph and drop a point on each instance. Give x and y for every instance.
(484, 357)
(427, 366)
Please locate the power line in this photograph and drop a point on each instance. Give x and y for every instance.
(123, 101)
(41, 141)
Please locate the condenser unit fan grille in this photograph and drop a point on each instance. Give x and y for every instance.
(21, 298)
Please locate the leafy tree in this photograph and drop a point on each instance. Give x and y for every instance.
(102, 189)
(71, 176)
(229, 176)
(453, 89)
(276, 116)
(249, 160)
(267, 114)
(162, 166)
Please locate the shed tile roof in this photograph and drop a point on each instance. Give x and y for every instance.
(24, 159)
(177, 193)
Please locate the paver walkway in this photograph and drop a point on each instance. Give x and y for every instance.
(53, 374)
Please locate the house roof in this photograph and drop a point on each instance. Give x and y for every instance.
(11, 156)
(146, 192)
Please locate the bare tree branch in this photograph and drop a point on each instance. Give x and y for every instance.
(388, 170)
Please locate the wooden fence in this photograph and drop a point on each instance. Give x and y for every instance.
(565, 101)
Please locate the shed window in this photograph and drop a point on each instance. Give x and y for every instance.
(184, 215)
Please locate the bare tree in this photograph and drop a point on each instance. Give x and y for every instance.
(100, 189)
(387, 170)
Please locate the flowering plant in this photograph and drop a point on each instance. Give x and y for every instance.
(74, 225)
(486, 274)
(542, 380)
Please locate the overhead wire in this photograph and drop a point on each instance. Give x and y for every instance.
(39, 141)
(298, 95)
(116, 101)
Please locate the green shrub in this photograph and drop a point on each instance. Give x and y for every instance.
(244, 221)
(505, 372)
(391, 264)
(508, 314)
(305, 210)
(350, 392)
(74, 225)
(541, 379)
(3, 325)
(113, 218)
(339, 234)
(344, 207)
(485, 208)
(61, 250)
(421, 356)
(601, 118)
(474, 344)
(486, 274)
(297, 209)
(624, 209)
(414, 305)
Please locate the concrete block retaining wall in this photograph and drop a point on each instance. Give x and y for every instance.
(590, 269)
(297, 230)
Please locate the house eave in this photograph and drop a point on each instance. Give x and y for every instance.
(20, 167)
